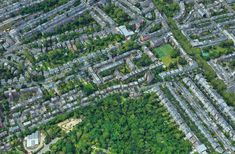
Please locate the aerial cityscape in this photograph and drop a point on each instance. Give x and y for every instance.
(117, 77)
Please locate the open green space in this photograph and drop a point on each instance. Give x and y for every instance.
(164, 50)
(216, 51)
(166, 53)
(124, 125)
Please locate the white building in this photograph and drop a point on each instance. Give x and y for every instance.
(124, 31)
(33, 140)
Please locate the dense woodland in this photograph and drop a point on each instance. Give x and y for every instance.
(123, 125)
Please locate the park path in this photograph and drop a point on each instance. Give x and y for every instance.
(47, 146)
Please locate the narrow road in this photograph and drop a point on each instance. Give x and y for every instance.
(47, 147)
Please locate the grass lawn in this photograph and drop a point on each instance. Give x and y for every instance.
(165, 53)
(167, 60)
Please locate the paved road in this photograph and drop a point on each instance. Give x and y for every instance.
(47, 147)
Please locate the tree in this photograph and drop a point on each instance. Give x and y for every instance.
(88, 88)
(4, 104)
(172, 65)
(118, 124)
(182, 61)
(69, 148)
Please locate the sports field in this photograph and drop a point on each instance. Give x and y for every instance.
(166, 53)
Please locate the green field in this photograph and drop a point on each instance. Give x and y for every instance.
(166, 53)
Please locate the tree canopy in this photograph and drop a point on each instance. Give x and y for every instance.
(118, 124)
